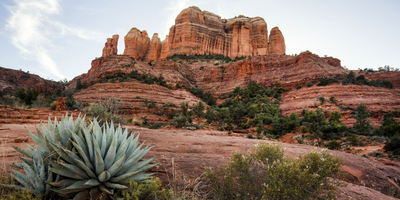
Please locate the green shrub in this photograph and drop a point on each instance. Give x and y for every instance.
(333, 145)
(322, 99)
(304, 129)
(300, 140)
(266, 174)
(202, 67)
(221, 128)
(105, 111)
(298, 87)
(53, 105)
(155, 126)
(309, 84)
(151, 190)
(393, 145)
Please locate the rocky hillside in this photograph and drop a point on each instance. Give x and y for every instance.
(10, 79)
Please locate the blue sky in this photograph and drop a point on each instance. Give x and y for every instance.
(58, 39)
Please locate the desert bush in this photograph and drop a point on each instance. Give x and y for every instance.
(40, 102)
(333, 145)
(10, 101)
(304, 129)
(105, 111)
(155, 126)
(321, 99)
(327, 81)
(53, 105)
(266, 174)
(393, 145)
(309, 84)
(151, 190)
(390, 127)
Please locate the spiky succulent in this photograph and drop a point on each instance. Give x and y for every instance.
(35, 161)
(101, 160)
(36, 173)
(89, 160)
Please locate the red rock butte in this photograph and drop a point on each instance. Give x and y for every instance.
(202, 32)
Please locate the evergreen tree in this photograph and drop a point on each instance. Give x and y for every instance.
(362, 125)
(198, 111)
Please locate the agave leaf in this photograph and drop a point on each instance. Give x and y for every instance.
(28, 161)
(97, 133)
(63, 183)
(74, 169)
(103, 144)
(110, 156)
(122, 149)
(116, 166)
(115, 185)
(17, 165)
(21, 178)
(63, 133)
(49, 179)
(89, 144)
(78, 185)
(62, 154)
(131, 161)
(92, 182)
(31, 175)
(84, 194)
(95, 193)
(106, 190)
(84, 156)
(137, 151)
(79, 141)
(133, 145)
(66, 173)
(63, 191)
(37, 140)
(137, 169)
(105, 176)
(46, 131)
(99, 163)
(24, 151)
(80, 163)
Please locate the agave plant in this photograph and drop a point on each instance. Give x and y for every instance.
(36, 173)
(101, 160)
(88, 161)
(56, 133)
(36, 160)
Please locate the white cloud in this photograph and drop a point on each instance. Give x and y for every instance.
(32, 30)
(172, 10)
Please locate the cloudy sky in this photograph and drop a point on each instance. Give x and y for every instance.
(58, 39)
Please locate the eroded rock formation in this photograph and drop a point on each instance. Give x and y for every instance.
(276, 42)
(136, 43)
(61, 104)
(198, 32)
(154, 48)
(110, 47)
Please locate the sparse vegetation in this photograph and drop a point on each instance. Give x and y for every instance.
(266, 173)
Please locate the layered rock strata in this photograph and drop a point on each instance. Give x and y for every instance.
(110, 47)
(199, 32)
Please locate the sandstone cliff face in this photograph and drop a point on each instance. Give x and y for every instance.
(164, 48)
(276, 42)
(199, 32)
(110, 47)
(154, 48)
(136, 43)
